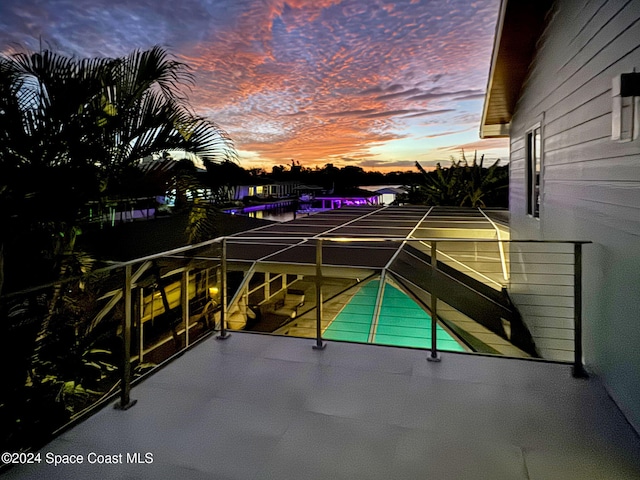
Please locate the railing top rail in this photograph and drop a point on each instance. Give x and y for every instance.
(301, 238)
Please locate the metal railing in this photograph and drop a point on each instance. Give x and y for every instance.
(84, 340)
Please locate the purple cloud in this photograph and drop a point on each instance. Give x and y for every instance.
(310, 79)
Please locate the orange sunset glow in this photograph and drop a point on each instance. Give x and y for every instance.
(375, 84)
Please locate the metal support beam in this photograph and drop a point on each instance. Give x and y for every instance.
(378, 306)
(319, 300)
(140, 326)
(125, 402)
(434, 356)
(223, 293)
(184, 292)
(578, 367)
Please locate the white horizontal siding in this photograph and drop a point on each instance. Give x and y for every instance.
(575, 116)
(541, 290)
(595, 127)
(613, 194)
(523, 249)
(547, 322)
(590, 189)
(612, 44)
(591, 162)
(539, 300)
(542, 268)
(535, 258)
(556, 353)
(555, 333)
(537, 279)
(546, 311)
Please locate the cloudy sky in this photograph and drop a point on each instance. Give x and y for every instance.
(373, 83)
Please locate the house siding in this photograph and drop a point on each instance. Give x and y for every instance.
(590, 184)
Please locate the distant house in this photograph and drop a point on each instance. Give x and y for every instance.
(388, 194)
(265, 189)
(562, 88)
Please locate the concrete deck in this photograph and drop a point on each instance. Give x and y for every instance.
(261, 407)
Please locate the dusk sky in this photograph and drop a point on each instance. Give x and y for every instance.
(376, 84)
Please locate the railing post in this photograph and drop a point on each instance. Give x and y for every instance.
(319, 343)
(434, 356)
(578, 367)
(140, 329)
(184, 290)
(125, 402)
(267, 285)
(223, 292)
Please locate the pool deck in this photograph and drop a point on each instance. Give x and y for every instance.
(263, 407)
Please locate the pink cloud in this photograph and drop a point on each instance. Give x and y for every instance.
(315, 80)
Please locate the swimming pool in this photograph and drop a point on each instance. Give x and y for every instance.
(401, 321)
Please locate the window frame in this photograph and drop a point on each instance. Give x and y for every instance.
(534, 170)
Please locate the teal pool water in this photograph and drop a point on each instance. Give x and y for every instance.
(401, 322)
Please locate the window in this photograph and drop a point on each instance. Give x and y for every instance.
(534, 166)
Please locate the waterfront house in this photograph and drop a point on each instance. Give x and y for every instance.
(265, 188)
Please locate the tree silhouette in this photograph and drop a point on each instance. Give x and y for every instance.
(463, 184)
(71, 130)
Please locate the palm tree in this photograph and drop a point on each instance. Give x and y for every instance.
(483, 186)
(71, 129)
(441, 187)
(465, 185)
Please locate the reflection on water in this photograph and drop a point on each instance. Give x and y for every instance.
(281, 213)
(286, 213)
(276, 215)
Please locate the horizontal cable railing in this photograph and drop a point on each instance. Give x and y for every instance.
(74, 344)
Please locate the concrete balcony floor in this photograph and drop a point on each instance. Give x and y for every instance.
(261, 407)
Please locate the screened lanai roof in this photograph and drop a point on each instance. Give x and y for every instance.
(362, 242)
(472, 277)
(281, 243)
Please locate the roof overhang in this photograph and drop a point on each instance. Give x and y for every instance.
(520, 24)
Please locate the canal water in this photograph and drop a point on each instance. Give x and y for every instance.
(285, 213)
(282, 214)
(282, 211)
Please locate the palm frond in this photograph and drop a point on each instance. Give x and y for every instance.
(72, 128)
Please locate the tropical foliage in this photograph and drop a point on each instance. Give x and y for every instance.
(463, 184)
(71, 131)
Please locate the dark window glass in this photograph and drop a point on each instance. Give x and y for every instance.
(534, 167)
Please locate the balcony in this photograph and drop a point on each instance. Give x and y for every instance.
(203, 404)
(259, 407)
